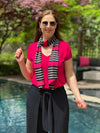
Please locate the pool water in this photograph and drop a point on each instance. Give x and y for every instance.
(13, 111)
(84, 121)
(91, 92)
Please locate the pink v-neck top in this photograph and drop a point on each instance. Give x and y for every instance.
(64, 55)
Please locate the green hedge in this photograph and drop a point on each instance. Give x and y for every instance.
(9, 69)
(8, 64)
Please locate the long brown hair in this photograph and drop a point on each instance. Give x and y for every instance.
(38, 33)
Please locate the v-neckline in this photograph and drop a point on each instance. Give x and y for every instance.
(45, 54)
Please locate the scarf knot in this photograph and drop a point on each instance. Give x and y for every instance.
(46, 43)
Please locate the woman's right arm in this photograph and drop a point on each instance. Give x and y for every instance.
(26, 69)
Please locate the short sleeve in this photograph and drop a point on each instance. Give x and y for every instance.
(29, 53)
(67, 51)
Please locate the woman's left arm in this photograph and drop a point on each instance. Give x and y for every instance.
(72, 83)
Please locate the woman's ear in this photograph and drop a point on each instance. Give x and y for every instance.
(40, 30)
(40, 25)
(56, 25)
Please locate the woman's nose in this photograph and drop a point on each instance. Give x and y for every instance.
(48, 25)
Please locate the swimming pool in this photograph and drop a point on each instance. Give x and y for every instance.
(91, 92)
(13, 111)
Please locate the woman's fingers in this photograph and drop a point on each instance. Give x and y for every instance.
(18, 53)
(19, 56)
(81, 104)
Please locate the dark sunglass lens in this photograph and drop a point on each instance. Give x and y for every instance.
(45, 23)
(52, 23)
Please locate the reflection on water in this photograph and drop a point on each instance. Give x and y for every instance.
(13, 107)
(13, 111)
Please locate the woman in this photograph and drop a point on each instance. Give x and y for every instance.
(49, 65)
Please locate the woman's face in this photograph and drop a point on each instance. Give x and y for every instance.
(48, 25)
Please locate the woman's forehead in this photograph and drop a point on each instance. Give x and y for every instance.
(48, 17)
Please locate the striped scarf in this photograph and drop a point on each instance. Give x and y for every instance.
(52, 64)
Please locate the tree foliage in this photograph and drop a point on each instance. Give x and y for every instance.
(18, 18)
(83, 19)
(20, 15)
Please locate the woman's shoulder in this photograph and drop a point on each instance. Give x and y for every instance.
(33, 44)
(64, 44)
(65, 50)
(31, 50)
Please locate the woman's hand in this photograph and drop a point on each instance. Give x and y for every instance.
(81, 103)
(19, 56)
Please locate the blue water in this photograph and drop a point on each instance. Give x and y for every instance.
(13, 111)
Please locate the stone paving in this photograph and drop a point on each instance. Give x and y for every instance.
(81, 84)
(87, 98)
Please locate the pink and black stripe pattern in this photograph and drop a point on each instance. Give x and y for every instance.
(52, 65)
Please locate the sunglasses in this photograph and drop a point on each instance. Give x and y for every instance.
(52, 23)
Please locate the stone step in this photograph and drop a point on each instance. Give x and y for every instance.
(91, 75)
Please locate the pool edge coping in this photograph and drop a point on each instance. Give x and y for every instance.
(85, 97)
(69, 92)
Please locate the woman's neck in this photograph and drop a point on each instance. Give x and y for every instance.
(46, 38)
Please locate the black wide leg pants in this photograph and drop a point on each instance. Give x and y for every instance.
(47, 110)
